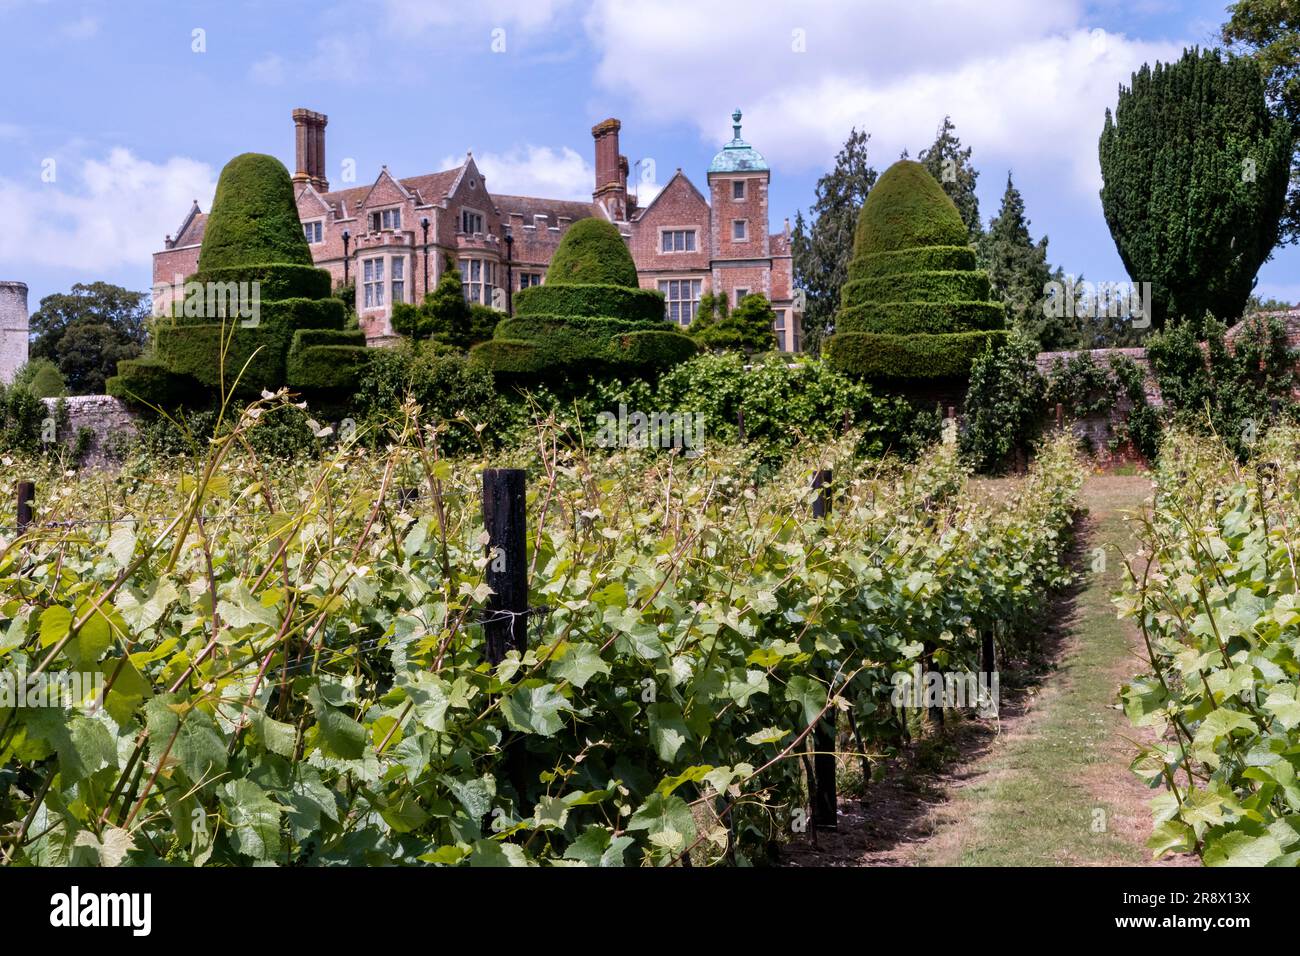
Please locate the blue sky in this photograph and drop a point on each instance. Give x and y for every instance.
(113, 118)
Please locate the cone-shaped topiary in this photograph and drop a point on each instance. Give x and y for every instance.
(257, 315)
(590, 316)
(915, 305)
(254, 218)
(592, 253)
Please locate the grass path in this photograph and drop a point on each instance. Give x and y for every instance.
(1048, 784)
(1054, 787)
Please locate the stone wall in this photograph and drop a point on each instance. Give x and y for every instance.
(1097, 430)
(112, 425)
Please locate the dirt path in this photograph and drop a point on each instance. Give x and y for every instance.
(1047, 783)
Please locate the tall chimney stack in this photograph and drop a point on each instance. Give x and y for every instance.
(611, 181)
(309, 147)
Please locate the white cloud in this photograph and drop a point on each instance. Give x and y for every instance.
(1025, 81)
(268, 71)
(552, 173)
(106, 213)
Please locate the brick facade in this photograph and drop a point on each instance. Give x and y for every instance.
(375, 235)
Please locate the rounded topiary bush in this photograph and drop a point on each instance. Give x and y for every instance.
(592, 253)
(915, 305)
(589, 316)
(244, 321)
(254, 217)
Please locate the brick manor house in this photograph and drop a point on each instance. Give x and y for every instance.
(392, 237)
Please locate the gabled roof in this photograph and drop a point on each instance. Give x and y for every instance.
(428, 189)
(667, 186)
(308, 191)
(192, 228)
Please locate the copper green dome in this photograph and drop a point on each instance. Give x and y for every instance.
(738, 156)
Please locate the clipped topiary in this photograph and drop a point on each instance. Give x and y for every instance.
(592, 253)
(915, 305)
(589, 316)
(254, 217)
(257, 315)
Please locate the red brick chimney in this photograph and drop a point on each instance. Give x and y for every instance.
(309, 146)
(611, 175)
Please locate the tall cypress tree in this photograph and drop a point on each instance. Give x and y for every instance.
(1195, 172)
(949, 163)
(1269, 31)
(822, 248)
(1019, 272)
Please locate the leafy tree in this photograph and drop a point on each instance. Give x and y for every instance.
(1004, 404)
(1195, 174)
(42, 378)
(951, 165)
(1256, 304)
(1269, 31)
(442, 310)
(823, 244)
(746, 328)
(444, 315)
(1019, 273)
(86, 331)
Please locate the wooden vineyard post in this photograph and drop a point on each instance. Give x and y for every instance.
(505, 519)
(740, 424)
(1060, 415)
(825, 810)
(26, 495)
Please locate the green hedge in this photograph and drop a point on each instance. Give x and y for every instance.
(327, 366)
(907, 207)
(879, 356)
(278, 280)
(529, 327)
(569, 349)
(917, 287)
(147, 381)
(287, 313)
(923, 259)
(254, 217)
(640, 305)
(509, 356)
(254, 356)
(592, 252)
(306, 338)
(650, 350)
(920, 318)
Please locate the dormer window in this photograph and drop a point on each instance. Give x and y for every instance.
(738, 189)
(471, 223)
(313, 231)
(385, 219)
